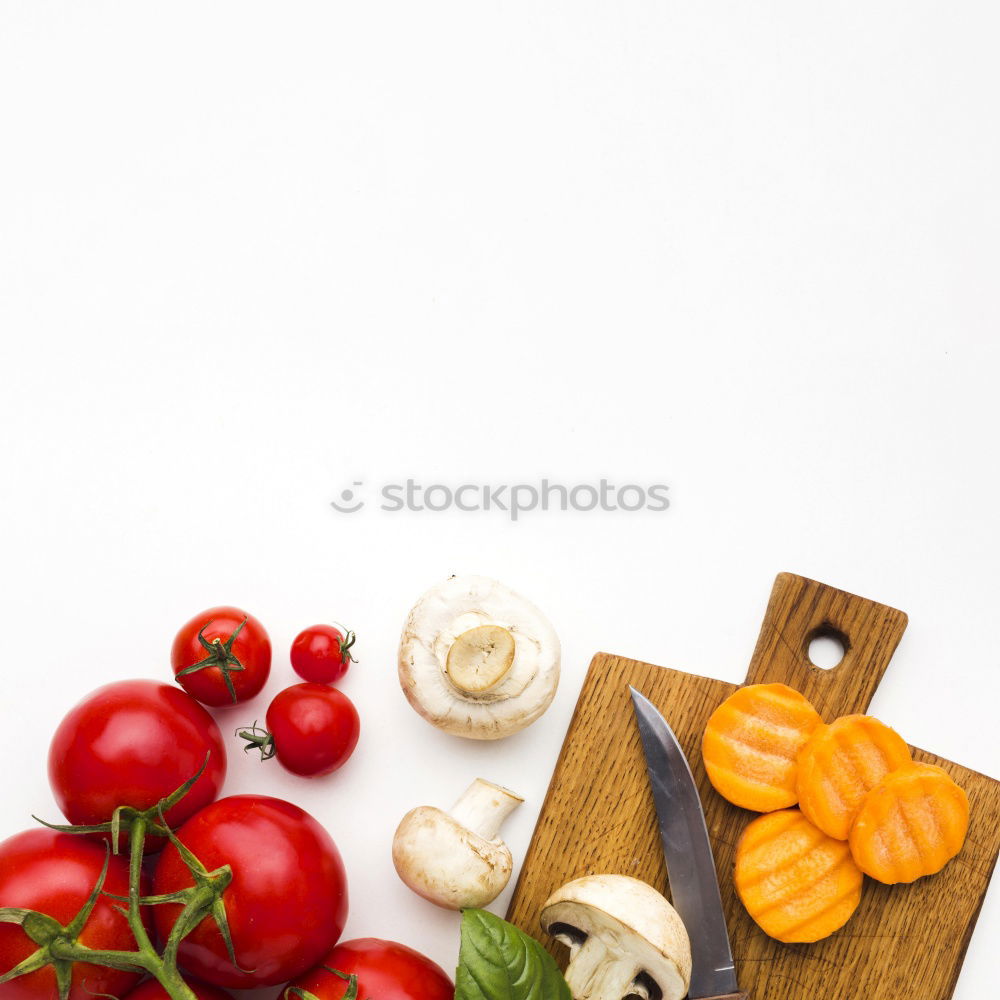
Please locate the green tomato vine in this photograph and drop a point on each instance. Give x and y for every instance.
(60, 946)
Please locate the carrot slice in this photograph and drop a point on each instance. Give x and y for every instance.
(751, 743)
(911, 824)
(840, 764)
(797, 883)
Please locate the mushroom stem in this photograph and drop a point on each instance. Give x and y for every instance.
(483, 807)
(480, 659)
(596, 973)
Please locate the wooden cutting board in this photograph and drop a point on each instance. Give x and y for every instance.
(598, 817)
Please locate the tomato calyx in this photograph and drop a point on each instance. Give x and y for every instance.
(202, 899)
(60, 947)
(350, 994)
(348, 640)
(258, 738)
(219, 654)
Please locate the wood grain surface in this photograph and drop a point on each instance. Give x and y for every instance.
(598, 815)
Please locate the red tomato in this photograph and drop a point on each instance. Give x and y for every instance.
(286, 904)
(322, 653)
(152, 990)
(54, 873)
(132, 743)
(228, 654)
(312, 729)
(385, 970)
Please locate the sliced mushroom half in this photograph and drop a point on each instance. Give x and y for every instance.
(625, 939)
(478, 660)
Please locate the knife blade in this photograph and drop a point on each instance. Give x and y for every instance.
(694, 885)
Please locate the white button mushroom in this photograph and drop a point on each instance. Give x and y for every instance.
(455, 859)
(478, 660)
(625, 939)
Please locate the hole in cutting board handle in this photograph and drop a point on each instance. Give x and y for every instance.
(826, 647)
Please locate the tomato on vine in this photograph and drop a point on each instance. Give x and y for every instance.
(285, 906)
(56, 875)
(385, 970)
(152, 990)
(222, 656)
(322, 653)
(133, 743)
(312, 729)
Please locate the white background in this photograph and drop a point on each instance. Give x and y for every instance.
(254, 252)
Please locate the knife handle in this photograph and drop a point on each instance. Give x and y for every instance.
(730, 996)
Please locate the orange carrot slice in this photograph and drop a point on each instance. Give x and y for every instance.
(911, 824)
(797, 883)
(841, 764)
(751, 743)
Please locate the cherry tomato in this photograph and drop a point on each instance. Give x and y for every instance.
(152, 990)
(132, 743)
(222, 656)
(385, 970)
(286, 904)
(322, 653)
(54, 873)
(312, 729)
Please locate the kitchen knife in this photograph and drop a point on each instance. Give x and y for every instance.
(694, 886)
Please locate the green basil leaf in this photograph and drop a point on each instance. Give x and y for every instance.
(497, 961)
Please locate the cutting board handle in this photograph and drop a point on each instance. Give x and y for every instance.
(799, 611)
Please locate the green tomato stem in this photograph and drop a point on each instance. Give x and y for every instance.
(145, 958)
(137, 843)
(257, 739)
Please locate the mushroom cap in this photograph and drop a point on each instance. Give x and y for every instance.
(447, 863)
(453, 608)
(632, 917)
